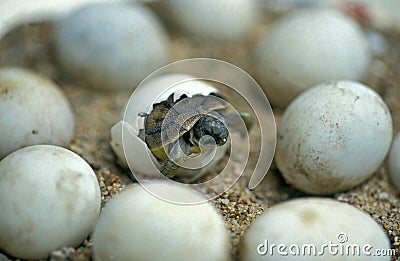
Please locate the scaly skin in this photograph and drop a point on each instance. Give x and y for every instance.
(169, 168)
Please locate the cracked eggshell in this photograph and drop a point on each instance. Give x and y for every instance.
(145, 227)
(394, 162)
(49, 197)
(117, 144)
(313, 221)
(215, 19)
(33, 110)
(333, 137)
(111, 45)
(307, 47)
(153, 91)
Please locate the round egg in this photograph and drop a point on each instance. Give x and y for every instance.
(314, 229)
(307, 47)
(215, 19)
(49, 198)
(136, 225)
(394, 162)
(111, 45)
(33, 110)
(333, 137)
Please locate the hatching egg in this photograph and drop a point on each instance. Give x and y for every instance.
(125, 139)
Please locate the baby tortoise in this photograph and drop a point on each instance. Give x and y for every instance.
(183, 123)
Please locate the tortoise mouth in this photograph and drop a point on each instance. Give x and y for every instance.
(208, 139)
(211, 126)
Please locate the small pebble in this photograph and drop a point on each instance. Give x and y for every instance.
(64, 253)
(225, 201)
(383, 195)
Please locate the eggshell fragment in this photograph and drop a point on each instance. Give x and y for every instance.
(135, 225)
(33, 110)
(307, 47)
(49, 198)
(300, 228)
(333, 137)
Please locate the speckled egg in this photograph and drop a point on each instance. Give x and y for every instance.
(33, 110)
(49, 198)
(333, 137)
(314, 229)
(111, 45)
(307, 47)
(136, 225)
(215, 19)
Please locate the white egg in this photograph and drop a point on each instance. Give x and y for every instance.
(33, 110)
(215, 19)
(111, 45)
(333, 137)
(314, 229)
(135, 225)
(49, 197)
(150, 92)
(394, 162)
(307, 47)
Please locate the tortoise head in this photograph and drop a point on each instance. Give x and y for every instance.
(209, 125)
